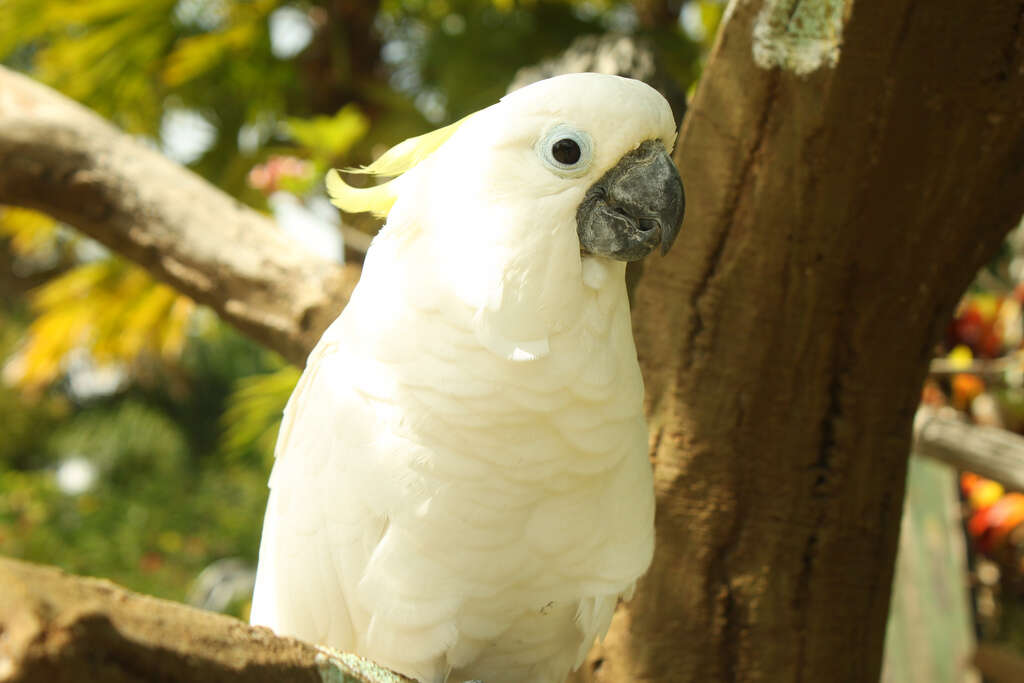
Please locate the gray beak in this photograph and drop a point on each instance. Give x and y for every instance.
(634, 207)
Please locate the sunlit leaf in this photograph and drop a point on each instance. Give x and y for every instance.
(192, 56)
(66, 12)
(30, 232)
(113, 310)
(330, 136)
(99, 52)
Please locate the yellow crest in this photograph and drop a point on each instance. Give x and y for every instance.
(379, 199)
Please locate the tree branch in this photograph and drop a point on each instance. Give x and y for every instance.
(59, 158)
(61, 628)
(993, 453)
(990, 370)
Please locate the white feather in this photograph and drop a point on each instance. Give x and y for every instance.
(461, 487)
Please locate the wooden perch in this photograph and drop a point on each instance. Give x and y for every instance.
(987, 369)
(59, 628)
(59, 158)
(991, 452)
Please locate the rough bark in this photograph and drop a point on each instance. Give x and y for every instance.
(59, 628)
(833, 220)
(60, 158)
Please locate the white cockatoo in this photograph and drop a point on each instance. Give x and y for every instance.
(461, 487)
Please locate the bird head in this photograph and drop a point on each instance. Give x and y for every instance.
(513, 199)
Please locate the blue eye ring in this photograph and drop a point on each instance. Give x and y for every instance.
(558, 149)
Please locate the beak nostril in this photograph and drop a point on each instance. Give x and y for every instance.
(648, 224)
(634, 207)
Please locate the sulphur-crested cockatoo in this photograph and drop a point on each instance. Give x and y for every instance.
(461, 487)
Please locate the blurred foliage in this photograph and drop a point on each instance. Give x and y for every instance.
(332, 136)
(137, 430)
(30, 234)
(131, 484)
(113, 310)
(253, 414)
(983, 348)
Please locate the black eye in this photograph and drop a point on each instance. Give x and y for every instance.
(566, 151)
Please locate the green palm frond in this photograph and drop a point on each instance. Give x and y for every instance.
(254, 410)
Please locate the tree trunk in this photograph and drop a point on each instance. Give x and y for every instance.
(833, 219)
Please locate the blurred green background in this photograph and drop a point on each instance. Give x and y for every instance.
(137, 430)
